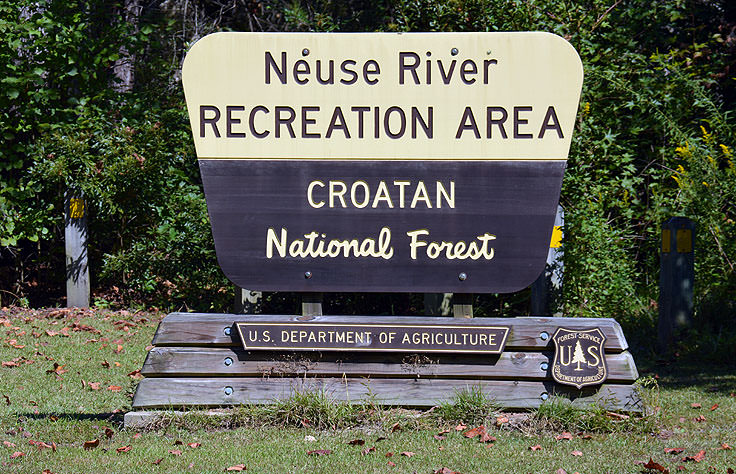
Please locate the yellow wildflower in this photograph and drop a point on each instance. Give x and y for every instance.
(708, 137)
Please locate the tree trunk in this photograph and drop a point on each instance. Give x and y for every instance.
(124, 67)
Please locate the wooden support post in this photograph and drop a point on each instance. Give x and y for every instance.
(462, 305)
(548, 286)
(676, 279)
(437, 304)
(247, 301)
(75, 240)
(311, 305)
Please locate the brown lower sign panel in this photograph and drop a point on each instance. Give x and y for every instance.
(382, 226)
(372, 337)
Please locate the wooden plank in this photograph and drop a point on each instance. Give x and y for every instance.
(227, 362)
(311, 305)
(209, 392)
(528, 333)
(462, 305)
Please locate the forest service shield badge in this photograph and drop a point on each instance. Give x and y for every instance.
(579, 357)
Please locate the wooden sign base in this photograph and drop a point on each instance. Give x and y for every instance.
(199, 361)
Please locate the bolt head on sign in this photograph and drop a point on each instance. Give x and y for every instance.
(579, 358)
(382, 162)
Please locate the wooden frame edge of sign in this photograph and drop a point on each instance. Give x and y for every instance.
(513, 394)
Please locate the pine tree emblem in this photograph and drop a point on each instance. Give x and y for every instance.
(578, 357)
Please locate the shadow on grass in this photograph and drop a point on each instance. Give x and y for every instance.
(108, 417)
(681, 373)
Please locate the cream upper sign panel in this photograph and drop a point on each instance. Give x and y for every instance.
(383, 96)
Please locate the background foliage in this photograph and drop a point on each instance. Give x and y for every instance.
(654, 139)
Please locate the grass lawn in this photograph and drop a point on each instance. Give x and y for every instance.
(67, 377)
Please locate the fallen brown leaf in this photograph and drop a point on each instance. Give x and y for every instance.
(58, 369)
(93, 385)
(408, 454)
(697, 458)
(109, 433)
(237, 467)
(536, 447)
(114, 388)
(560, 471)
(319, 452)
(395, 427)
(699, 419)
(157, 461)
(438, 437)
(444, 470)
(725, 446)
(460, 427)
(356, 442)
(486, 438)
(380, 438)
(695, 405)
(391, 464)
(17, 454)
(673, 450)
(656, 466)
(477, 431)
(10, 363)
(8, 444)
(42, 445)
(175, 452)
(105, 364)
(136, 374)
(389, 454)
(178, 442)
(7, 399)
(501, 420)
(91, 444)
(124, 449)
(194, 445)
(715, 405)
(577, 453)
(564, 435)
(366, 451)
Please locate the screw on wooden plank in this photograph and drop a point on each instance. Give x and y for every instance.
(676, 280)
(75, 242)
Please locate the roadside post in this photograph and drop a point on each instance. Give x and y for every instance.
(676, 279)
(75, 243)
(362, 162)
(547, 288)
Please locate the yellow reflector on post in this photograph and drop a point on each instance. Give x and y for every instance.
(556, 241)
(666, 239)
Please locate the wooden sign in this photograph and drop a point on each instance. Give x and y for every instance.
(382, 162)
(418, 338)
